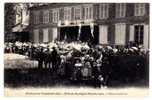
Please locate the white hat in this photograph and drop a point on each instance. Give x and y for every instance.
(135, 48)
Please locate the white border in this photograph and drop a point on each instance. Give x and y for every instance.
(59, 1)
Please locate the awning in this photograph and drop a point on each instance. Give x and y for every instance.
(19, 28)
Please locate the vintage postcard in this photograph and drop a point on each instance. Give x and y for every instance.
(76, 49)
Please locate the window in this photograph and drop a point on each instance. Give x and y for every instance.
(103, 35)
(88, 12)
(46, 16)
(55, 33)
(55, 15)
(120, 33)
(45, 35)
(104, 11)
(77, 13)
(36, 35)
(120, 10)
(139, 34)
(139, 9)
(67, 13)
(36, 17)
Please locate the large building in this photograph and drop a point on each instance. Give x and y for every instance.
(103, 23)
(16, 22)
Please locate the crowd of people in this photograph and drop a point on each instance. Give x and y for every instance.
(94, 64)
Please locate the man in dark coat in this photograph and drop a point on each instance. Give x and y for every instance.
(54, 59)
(46, 58)
(40, 57)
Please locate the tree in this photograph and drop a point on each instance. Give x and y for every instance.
(9, 17)
(16, 18)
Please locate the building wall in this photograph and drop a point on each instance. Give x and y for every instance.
(118, 30)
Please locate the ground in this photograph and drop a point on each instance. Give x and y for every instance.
(16, 61)
(20, 71)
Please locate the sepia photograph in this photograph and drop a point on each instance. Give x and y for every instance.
(76, 48)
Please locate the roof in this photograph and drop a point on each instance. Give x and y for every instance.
(55, 5)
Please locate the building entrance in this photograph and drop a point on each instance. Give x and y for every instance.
(84, 34)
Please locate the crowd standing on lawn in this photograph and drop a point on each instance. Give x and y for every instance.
(81, 62)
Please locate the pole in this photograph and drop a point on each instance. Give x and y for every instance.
(92, 29)
(79, 32)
